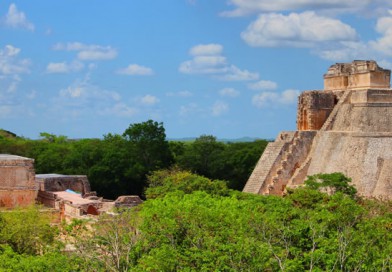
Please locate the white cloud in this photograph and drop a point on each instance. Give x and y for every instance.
(374, 49)
(272, 98)
(88, 51)
(149, 100)
(190, 110)
(246, 7)
(385, 64)
(219, 108)
(13, 102)
(192, 67)
(105, 54)
(82, 99)
(230, 92)
(180, 94)
(346, 51)
(296, 30)
(9, 64)
(233, 73)
(64, 67)
(85, 92)
(120, 110)
(263, 85)
(74, 92)
(185, 93)
(264, 98)
(206, 49)
(384, 43)
(289, 96)
(136, 70)
(14, 82)
(207, 59)
(17, 19)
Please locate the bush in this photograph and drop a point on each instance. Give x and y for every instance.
(331, 183)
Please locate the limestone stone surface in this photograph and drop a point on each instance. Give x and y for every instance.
(57, 182)
(314, 108)
(358, 74)
(17, 184)
(351, 123)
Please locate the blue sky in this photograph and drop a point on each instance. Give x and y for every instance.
(229, 68)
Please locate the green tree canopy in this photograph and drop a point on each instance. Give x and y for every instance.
(149, 144)
(163, 182)
(334, 182)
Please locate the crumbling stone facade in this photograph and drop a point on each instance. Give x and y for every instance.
(17, 184)
(56, 182)
(70, 195)
(359, 74)
(350, 131)
(314, 108)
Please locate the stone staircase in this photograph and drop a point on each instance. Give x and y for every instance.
(293, 158)
(268, 163)
(300, 174)
(285, 162)
(331, 118)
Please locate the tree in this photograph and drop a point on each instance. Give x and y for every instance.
(334, 182)
(109, 175)
(233, 162)
(52, 138)
(52, 261)
(203, 156)
(162, 182)
(199, 232)
(27, 230)
(148, 142)
(110, 244)
(238, 161)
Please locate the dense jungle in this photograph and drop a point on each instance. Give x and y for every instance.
(194, 217)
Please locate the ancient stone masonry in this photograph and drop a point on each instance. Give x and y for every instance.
(314, 108)
(280, 159)
(56, 182)
(17, 184)
(349, 126)
(70, 195)
(360, 74)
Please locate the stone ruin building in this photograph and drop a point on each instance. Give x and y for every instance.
(71, 195)
(17, 183)
(347, 127)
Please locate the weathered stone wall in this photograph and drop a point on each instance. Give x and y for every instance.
(72, 211)
(17, 198)
(362, 157)
(17, 183)
(367, 111)
(293, 159)
(314, 108)
(279, 162)
(360, 74)
(48, 199)
(268, 163)
(355, 138)
(56, 183)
